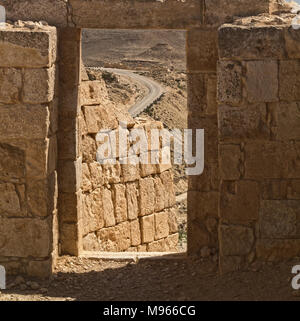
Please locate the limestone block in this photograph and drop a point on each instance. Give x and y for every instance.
(230, 159)
(107, 238)
(12, 163)
(26, 49)
(147, 228)
(236, 240)
(157, 246)
(123, 236)
(274, 189)
(19, 121)
(218, 12)
(196, 89)
(244, 43)
(92, 92)
(72, 205)
(108, 208)
(202, 50)
(70, 175)
(54, 12)
(86, 183)
(111, 173)
(167, 181)
(71, 242)
(147, 196)
(292, 42)
(278, 219)
(130, 170)
(135, 233)
(23, 237)
(40, 269)
(161, 225)
(142, 248)
(42, 196)
(132, 200)
(159, 195)
(97, 177)
(239, 201)
(172, 243)
(249, 122)
(271, 160)
(39, 85)
(277, 250)
(9, 201)
(230, 82)
(151, 14)
(172, 220)
(89, 149)
(202, 205)
(287, 121)
(289, 83)
(294, 189)
(90, 242)
(10, 85)
(120, 202)
(262, 81)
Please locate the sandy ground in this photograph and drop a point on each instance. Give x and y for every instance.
(182, 279)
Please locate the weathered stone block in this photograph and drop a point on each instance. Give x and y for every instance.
(229, 82)
(271, 160)
(235, 240)
(202, 50)
(277, 250)
(292, 42)
(111, 173)
(289, 83)
(230, 161)
(10, 85)
(147, 196)
(293, 191)
(278, 219)
(157, 246)
(172, 243)
(152, 14)
(123, 236)
(249, 122)
(90, 242)
(70, 237)
(287, 121)
(39, 85)
(107, 238)
(120, 203)
(97, 178)
(23, 237)
(244, 43)
(12, 163)
(26, 49)
(274, 189)
(172, 220)
(72, 205)
(135, 233)
(132, 200)
(161, 225)
(147, 228)
(239, 201)
(29, 122)
(202, 205)
(159, 195)
(262, 81)
(86, 183)
(218, 12)
(130, 171)
(168, 183)
(9, 201)
(94, 215)
(92, 93)
(54, 12)
(108, 208)
(70, 175)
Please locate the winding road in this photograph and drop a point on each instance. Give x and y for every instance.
(155, 90)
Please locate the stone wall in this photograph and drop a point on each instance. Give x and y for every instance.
(28, 149)
(258, 93)
(125, 207)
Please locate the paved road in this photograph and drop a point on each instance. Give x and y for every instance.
(155, 90)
